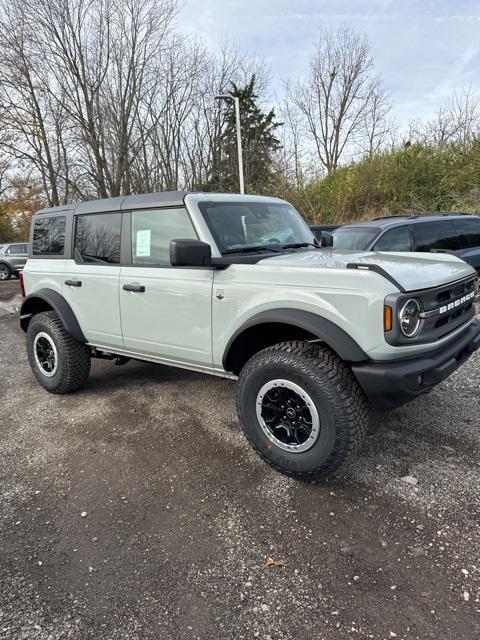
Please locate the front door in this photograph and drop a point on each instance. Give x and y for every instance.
(165, 310)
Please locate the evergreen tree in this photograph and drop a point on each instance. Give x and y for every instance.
(258, 142)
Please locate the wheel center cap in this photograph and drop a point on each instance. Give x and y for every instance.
(291, 413)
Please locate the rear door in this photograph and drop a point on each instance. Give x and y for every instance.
(166, 311)
(438, 235)
(468, 230)
(92, 276)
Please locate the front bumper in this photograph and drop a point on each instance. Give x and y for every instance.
(390, 384)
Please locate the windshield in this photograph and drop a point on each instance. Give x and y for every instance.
(239, 226)
(354, 238)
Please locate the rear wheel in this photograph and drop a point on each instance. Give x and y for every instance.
(302, 409)
(5, 271)
(60, 363)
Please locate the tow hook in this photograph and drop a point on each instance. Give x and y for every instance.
(119, 360)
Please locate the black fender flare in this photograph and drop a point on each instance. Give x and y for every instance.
(35, 302)
(335, 337)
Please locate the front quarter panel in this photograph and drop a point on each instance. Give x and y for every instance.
(352, 302)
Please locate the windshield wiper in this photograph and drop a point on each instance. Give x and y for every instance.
(253, 248)
(298, 245)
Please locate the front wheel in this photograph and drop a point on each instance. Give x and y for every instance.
(60, 363)
(302, 409)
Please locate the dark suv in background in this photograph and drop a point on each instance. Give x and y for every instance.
(13, 257)
(434, 232)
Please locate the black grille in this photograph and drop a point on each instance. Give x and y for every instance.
(455, 292)
(436, 327)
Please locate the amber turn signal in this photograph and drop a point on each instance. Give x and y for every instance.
(387, 318)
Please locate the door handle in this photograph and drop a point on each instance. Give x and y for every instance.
(73, 283)
(137, 288)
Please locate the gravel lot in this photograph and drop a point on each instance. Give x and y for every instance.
(135, 509)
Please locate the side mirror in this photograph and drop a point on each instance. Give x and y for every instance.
(326, 239)
(190, 253)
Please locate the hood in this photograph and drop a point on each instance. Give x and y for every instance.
(413, 271)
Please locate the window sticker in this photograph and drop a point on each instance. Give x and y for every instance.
(143, 243)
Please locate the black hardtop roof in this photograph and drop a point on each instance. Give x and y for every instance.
(142, 201)
(392, 221)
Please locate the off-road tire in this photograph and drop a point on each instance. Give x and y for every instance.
(73, 367)
(340, 402)
(7, 272)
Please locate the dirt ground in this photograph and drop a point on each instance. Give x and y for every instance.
(135, 509)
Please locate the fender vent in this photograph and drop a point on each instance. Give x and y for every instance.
(362, 266)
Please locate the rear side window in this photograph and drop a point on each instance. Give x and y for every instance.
(397, 239)
(152, 232)
(468, 232)
(97, 238)
(49, 236)
(431, 236)
(17, 249)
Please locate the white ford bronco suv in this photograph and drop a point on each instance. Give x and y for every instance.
(237, 286)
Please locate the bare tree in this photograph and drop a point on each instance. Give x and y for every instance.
(72, 80)
(102, 98)
(165, 117)
(456, 121)
(292, 153)
(338, 98)
(202, 144)
(378, 126)
(100, 58)
(31, 131)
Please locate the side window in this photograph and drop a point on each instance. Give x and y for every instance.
(469, 232)
(152, 231)
(397, 239)
(97, 238)
(435, 235)
(18, 249)
(49, 236)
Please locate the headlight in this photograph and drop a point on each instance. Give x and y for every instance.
(410, 318)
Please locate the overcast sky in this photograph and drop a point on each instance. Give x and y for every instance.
(423, 48)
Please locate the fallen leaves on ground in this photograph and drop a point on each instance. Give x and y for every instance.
(270, 562)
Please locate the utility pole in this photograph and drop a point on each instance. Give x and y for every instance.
(236, 101)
